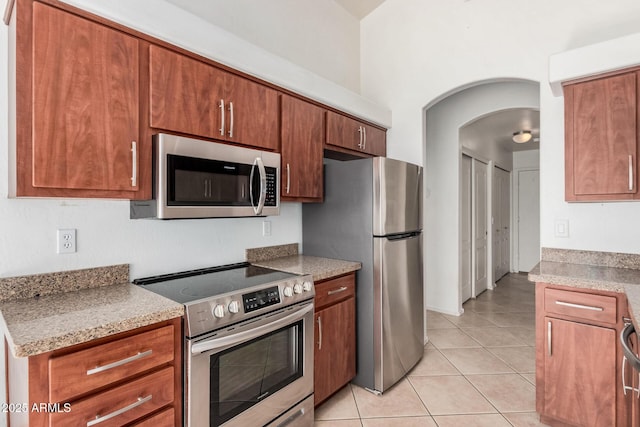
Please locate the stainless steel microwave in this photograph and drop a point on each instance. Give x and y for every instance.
(201, 179)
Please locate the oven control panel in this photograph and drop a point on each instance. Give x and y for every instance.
(208, 315)
(259, 299)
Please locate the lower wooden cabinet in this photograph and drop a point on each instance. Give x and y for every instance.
(578, 357)
(133, 378)
(335, 336)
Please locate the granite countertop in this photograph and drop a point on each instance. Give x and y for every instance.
(602, 271)
(48, 312)
(319, 268)
(595, 277)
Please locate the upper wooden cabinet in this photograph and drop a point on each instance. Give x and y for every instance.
(196, 98)
(601, 138)
(346, 133)
(77, 103)
(302, 147)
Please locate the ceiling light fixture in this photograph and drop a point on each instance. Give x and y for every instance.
(522, 136)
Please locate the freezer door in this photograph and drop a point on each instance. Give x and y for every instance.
(399, 307)
(397, 196)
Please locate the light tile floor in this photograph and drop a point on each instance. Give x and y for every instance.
(477, 370)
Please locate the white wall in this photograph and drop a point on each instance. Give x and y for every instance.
(305, 32)
(414, 52)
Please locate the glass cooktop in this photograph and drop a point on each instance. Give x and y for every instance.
(188, 286)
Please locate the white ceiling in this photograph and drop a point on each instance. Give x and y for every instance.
(359, 8)
(499, 127)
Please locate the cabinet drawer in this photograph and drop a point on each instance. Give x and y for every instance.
(76, 373)
(163, 419)
(120, 405)
(335, 290)
(597, 308)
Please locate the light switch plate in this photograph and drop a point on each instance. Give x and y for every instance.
(561, 228)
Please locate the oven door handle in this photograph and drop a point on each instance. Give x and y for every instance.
(240, 337)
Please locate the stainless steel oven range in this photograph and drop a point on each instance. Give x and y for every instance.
(248, 347)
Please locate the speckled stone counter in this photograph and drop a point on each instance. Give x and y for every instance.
(319, 268)
(34, 323)
(603, 271)
(585, 276)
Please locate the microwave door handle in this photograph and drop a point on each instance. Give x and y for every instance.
(263, 186)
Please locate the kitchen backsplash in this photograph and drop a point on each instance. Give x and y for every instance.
(64, 281)
(271, 252)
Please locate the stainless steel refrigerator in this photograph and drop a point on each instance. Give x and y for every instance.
(372, 213)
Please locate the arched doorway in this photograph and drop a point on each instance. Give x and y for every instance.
(443, 120)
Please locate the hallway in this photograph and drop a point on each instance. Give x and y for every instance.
(478, 370)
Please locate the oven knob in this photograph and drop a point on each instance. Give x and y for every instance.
(288, 291)
(218, 311)
(297, 288)
(306, 286)
(234, 307)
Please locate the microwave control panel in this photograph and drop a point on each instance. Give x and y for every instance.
(271, 187)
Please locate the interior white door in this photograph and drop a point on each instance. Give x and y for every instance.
(501, 222)
(528, 219)
(505, 215)
(480, 232)
(465, 228)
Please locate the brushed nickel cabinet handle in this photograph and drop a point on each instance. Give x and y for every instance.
(630, 172)
(580, 306)
(288, 177)
(549, 337)
(99, 419)
(364, 138)
(319, 333)
(360, 144)
(133, 358)
(337, 291)
(222, 117)
(134, 164)
(230, 119)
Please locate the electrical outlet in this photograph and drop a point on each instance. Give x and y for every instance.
(66, 241)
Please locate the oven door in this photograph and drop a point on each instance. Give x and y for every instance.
(252, 372)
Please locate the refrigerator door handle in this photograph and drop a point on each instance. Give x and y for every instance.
(403, 236)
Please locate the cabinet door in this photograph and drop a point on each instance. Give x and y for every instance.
(302, 139)
(375, 141)
(335, 348)
(601, 138)
(85, 103)
(343, 131)
(353, 135)
(185, 94)
(580, 373)
(252, 114)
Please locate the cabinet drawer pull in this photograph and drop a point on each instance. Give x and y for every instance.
(99, 419)
(134, 164)
(630, 172)
(103, 368)
(222, 117)
(319, 333)
(583, 307)
(360, 144)
(337, 291)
